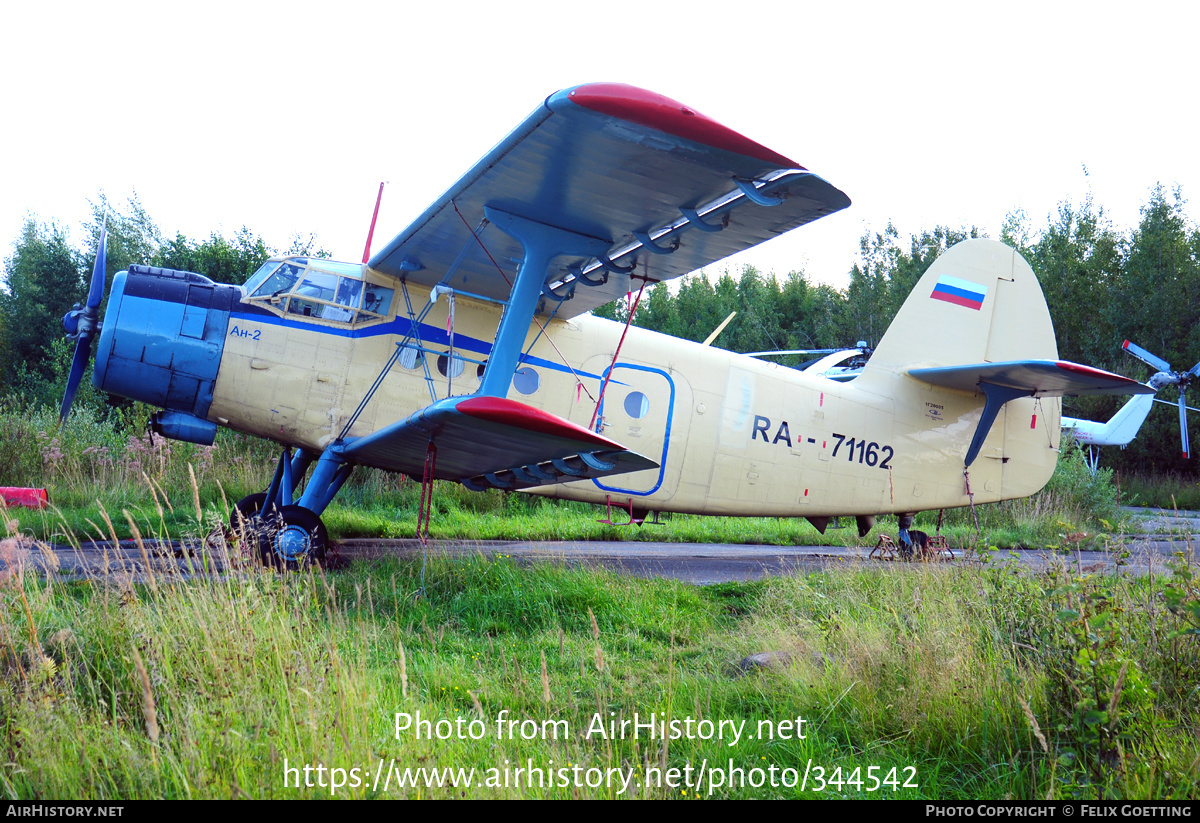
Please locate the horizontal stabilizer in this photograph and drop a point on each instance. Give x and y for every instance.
(1002, 382)
(493, 442)
(1032, 378)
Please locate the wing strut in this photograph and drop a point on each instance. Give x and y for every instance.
(996, 396)
(541, 243)
(608, 373)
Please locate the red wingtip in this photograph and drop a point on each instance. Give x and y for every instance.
(518, 415)
(666, 115)
(1091, 371)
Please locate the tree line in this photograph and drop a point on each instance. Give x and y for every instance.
(1103, 285)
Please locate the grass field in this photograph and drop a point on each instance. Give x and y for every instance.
(950, 683)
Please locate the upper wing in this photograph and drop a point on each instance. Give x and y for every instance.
(668, 189)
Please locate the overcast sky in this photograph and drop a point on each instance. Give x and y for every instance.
(285, 117)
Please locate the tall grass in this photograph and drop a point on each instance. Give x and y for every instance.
(1160, 491)
(984, 682)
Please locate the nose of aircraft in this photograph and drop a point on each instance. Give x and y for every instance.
(163, 336)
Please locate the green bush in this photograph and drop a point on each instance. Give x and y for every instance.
(1075, 488)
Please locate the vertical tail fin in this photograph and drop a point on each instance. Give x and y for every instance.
(979, 302)
(1119, 430)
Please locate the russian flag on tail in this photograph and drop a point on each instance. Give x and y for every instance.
(959, 292)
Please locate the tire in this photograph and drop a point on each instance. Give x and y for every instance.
(246, 509)
(292, 538)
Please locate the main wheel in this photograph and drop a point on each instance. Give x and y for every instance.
(293, 537)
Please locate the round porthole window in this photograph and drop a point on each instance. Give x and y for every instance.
(410, 356)
(637, 405)
(444, 365)
(526, 380)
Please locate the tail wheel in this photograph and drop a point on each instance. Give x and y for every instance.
(293, 537)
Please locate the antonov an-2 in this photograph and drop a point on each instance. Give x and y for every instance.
(464, 350)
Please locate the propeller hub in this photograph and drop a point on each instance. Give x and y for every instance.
(80, 321)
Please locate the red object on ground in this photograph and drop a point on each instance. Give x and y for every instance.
(29, 498)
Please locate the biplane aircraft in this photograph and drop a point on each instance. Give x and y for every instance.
(465, 349)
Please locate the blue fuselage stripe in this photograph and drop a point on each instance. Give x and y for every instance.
(402, 327)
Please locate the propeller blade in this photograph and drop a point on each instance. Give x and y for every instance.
(1194, 371)
(83, 350)
(1187, 450)
(96, 291)
(1153, 361)
(82, 322)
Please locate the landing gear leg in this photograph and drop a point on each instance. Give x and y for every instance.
(905, 542)
(289, 533)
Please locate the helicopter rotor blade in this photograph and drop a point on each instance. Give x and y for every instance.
(1153, 361)
(1183, 430)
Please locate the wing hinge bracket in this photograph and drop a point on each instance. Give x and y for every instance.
(752, 193)
(694, 218)
(648, 243)
(580, 277)
(582, 466)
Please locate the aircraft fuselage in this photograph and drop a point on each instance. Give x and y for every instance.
(732, 434)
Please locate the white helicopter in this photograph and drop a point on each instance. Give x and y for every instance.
(841, 365)
(1123, 426)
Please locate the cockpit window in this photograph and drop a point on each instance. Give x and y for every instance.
(255, 280)
(322, 289)
(280, 281)
(379, 299)
(349, 293)
(318, 284)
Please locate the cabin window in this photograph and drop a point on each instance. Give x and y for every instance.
(526, 380)
(410, 356)
(444, 365)
(637, 405)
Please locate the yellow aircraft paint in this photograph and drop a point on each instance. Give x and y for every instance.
(735, 435)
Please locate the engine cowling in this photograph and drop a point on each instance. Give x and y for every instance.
(163, 336)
